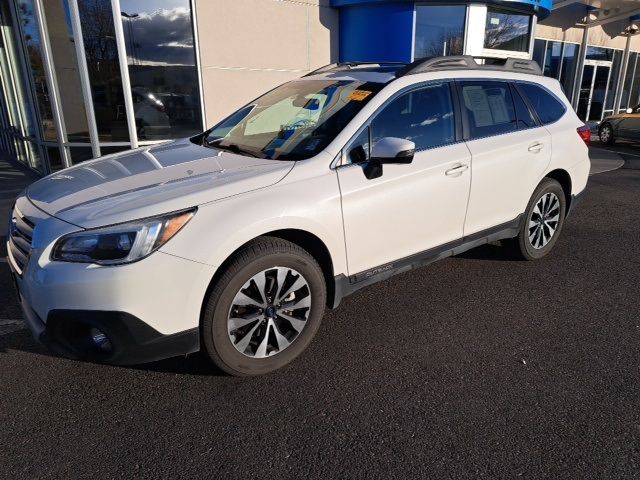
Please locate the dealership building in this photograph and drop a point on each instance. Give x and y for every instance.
(85, 78)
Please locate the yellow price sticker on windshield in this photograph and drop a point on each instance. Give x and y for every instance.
(359, 95)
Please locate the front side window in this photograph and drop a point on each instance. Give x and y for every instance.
(505, 30)
(424, 116)
(548, 108)
(489, 108)
(294, 121)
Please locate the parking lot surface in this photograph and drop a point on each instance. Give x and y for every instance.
(478, 366)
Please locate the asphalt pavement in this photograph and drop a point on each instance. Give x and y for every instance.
(478, 366)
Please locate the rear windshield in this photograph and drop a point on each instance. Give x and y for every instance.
(293, 122)
(547, 106)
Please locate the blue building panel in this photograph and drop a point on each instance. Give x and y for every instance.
(382, 32)
(542, 8)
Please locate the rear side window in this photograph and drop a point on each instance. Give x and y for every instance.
(525, 120)
(548, 107)
(489, 108)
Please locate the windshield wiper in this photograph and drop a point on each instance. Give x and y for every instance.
(231, 147)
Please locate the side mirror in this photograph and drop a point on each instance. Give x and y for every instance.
(629, 110)
(389, 150)
(393, 150)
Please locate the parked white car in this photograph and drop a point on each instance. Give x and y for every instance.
(236, 240)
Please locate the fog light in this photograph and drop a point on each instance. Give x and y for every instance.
(100, 340)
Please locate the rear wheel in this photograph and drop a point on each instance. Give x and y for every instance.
(606, 134)
(265, 308)
(543, 222)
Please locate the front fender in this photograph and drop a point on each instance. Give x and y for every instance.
(309, 204)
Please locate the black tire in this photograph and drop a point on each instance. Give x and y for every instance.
(262, 254)
(608, 137)
(522, 246)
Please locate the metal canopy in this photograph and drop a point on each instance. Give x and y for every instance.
(590, 13)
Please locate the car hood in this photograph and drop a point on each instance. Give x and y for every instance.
(150, 181)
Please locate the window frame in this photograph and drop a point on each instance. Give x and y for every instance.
(457, 112)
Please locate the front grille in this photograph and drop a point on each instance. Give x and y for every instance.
(20, 236)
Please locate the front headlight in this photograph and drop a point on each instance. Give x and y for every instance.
(122, 243)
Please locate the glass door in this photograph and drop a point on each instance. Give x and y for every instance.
(594, 90)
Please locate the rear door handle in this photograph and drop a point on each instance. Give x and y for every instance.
(536, 147)
(456, 171)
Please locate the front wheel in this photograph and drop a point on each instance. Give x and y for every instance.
(543, 221)
(606, 134)
(264, 309)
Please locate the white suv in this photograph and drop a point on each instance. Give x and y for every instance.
(236, 240)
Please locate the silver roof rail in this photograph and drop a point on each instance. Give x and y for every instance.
(344, 66)
(467, 62)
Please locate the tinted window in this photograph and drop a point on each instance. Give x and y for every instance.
(507, 31)
(439, 30)
(548, 108)
(525, 120)
(489, 108)
(424, 116)
(358, 151)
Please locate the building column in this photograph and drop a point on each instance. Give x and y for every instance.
(580, 68)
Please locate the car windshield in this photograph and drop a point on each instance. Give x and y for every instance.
(293, 122)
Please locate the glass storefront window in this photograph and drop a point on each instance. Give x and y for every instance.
(553, 59)
(34, 52)
(539, 50)
(613, 82)
(55, 160)
(65, 65)
(439, 30)
(628, 80)
(18, 112)
(599, 53)
(101, 52)
(569, 65)
(507, 31)
(162, 68)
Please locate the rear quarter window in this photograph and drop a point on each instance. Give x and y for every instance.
(548, 107)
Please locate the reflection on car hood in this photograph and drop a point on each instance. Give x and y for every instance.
(150, 181)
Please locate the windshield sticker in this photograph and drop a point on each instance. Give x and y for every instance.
(358, 95)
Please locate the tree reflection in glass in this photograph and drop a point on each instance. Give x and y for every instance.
(101, 52)
(162, 68)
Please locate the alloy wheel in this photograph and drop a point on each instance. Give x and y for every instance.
(605, 134)
(269, 312)
(544, 220)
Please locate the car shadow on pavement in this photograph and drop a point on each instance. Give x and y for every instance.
(491, 251)
(194, 364)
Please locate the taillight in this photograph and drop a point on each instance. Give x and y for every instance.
(585, 134)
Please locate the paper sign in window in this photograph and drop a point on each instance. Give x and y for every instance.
(475, 98)
(358, 95)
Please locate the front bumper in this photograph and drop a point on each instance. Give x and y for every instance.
(131, 341)
(148, 310)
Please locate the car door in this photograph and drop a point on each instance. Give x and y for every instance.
(509, 149)
(409, 208)
(629, 126)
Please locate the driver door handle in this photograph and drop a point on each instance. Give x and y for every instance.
(456, 171)
(536, 147)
